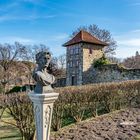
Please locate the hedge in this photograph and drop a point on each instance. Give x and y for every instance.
(80, 102)
(76, 103)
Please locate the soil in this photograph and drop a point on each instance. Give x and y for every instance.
(120, 125)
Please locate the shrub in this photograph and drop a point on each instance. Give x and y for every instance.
(15, 89)
(102, 61)
(58, 112)
(75, 103)
(20, 108)
(96, 99)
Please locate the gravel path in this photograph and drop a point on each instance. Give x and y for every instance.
(123, 125)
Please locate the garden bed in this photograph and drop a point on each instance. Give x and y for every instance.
(119, 125)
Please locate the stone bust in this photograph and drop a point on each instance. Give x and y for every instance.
(42, 75)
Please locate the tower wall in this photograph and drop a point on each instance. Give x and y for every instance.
(74, 65)
(80, 58)
(91, 53)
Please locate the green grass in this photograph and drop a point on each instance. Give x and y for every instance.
(8, 132)
(5, 114)
(137, 137)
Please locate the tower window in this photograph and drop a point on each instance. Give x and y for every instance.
(77, 50)
(71, 64)
(77, 63)
(90, 51)
(71, 50)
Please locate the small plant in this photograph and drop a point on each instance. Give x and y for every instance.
(102, 61)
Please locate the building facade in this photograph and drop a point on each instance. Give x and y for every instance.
(81, 52)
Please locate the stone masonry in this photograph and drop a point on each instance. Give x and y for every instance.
(109, 73)
(88, 59)
(82, 51)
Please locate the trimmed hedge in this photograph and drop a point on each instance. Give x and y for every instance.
(77, 103)
(80, 102)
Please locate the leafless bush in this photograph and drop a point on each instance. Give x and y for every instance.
(109, 96)
(20, 108)
(74, 102)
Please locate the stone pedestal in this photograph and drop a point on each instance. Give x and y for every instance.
(43, 107)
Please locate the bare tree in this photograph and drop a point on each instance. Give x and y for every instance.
(114, 60)
(62, 61)
(102, 34)
(18, 61)
(33, 50)
(9, 54)
(60, 65)
(132, 62)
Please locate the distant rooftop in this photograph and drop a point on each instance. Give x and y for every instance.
(86, 37)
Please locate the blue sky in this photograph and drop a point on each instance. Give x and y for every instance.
(52, 21)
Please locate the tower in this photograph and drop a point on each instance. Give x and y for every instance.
(81, 51)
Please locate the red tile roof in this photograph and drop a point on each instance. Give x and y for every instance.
(86, 37)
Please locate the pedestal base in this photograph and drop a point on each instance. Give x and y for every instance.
(43, 107)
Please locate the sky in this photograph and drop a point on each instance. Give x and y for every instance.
(51, 22)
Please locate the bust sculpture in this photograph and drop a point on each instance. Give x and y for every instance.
(42, 75)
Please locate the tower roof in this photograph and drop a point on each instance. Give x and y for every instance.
(86, 37)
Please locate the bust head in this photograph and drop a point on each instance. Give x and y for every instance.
(43, 59)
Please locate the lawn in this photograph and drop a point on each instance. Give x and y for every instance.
(7, 131)
(137, 137)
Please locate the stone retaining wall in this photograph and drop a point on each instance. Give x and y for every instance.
(110, 73)
(105, 73)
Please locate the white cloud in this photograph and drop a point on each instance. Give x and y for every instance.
(12, 39)
(55, 43)
(31, 17)
(124, 51)
(9, 6)
(131, 38)
(17, 10)
(135, 4)
(31, 1)
(58, 37)
(128, 43)
(136, 31)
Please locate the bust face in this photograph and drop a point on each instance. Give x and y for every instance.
(43, 59)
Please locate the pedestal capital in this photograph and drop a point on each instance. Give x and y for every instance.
(44, 98)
